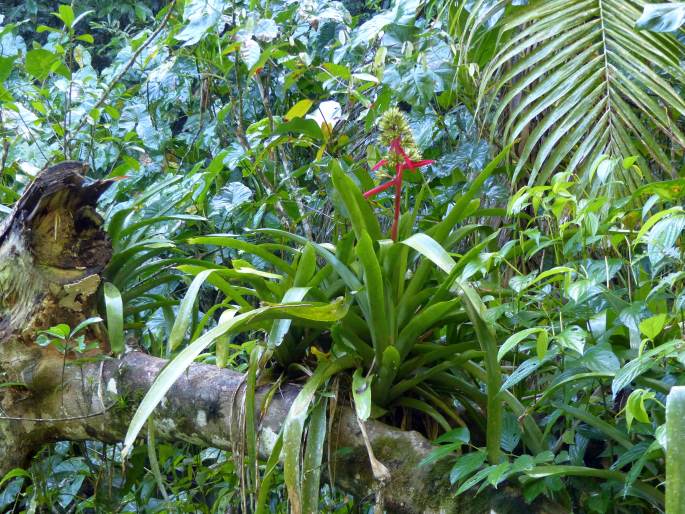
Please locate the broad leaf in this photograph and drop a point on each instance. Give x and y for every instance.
(200, 16)
(642, 364)
(515, 339)
(666, 17)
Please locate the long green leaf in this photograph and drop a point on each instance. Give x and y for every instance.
(154, 463)
(114, 306)
(250, 423)
(515, 339)
(428, 409)
(387, 372)
(222, 342)
(313, 457)
(486, 337)
(601, 425)
(233, 292)
(374, 291)
(459, 211)
(580, 376)
(184, 317)
(422, 322)
(306, 266)
(293, 427)
(359, 210)
(230, 241)
(269, 476)
(281, 326)
(656, 496)
(475, 309)
(175, 368)
(675, 451)
(351, 280)
(131, 229)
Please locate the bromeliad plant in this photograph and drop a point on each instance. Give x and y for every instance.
(414, 332)
(403, 155)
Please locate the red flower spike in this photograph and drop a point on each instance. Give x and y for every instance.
(398, 203)
(415, 165)
(379, 164)
(408, 164)
(396, 145)
(378, 189)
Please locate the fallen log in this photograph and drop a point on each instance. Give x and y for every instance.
(52, 252)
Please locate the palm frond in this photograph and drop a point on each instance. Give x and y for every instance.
(574, 80)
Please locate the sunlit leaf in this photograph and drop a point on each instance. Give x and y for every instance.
(665, 17)
(115, 318)
(184, 316)
(168, 376)
(361, 392)
(299, 110)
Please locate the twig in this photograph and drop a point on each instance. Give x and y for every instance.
(128, 66)
(286, 163)
(242, 140)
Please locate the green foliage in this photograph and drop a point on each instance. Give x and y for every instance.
(66, 340)
(114, 307)
(586, 84)
(662, 17)
(532, 333)
(674, 461)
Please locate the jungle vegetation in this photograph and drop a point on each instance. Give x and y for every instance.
(480, 202)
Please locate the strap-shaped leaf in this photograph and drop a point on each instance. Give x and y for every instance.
(175, 368)
(358, 209)
(293, 427)
(280, 327)
(313, 457)
(374, 292)
(115, 318)
(185, 311)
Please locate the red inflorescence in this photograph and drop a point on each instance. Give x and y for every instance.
(408, 164)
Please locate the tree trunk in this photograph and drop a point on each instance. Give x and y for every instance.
(52, 251)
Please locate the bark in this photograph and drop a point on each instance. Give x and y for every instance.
(52, 251)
